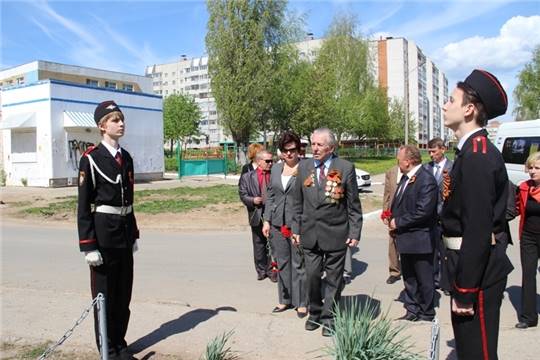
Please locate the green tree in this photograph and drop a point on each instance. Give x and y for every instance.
(243, 42)
(181, 117)
(527, 92)
(396, 124)
(346, 82)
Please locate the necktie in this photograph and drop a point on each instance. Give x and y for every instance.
(401, 186)
(322, 177)
(264, 185)
(118, 158)
(437, 172)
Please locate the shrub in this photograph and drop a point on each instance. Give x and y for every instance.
(359, 334)
(216, 350)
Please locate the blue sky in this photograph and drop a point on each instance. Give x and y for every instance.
(497, 35)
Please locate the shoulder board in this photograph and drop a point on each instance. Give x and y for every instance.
(89, 150)
(479, 140)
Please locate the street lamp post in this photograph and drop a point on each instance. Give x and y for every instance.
(408, 114)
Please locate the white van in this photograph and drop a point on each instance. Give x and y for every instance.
(516, 140)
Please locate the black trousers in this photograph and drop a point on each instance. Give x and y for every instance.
(260, 251)
(317, 261)
(114, 279)
(529, 247)
(417, 271)
(440, 273)
(477, 336)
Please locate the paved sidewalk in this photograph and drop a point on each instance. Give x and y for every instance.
(190, 287)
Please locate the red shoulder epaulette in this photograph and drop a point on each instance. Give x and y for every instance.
(477, 140)
(89, 150)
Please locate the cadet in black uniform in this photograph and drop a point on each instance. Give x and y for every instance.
(473, 216)
(107, 226)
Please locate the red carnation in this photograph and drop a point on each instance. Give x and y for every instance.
(386, 214)
(286, 231)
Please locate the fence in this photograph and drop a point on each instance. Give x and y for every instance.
(208, 161)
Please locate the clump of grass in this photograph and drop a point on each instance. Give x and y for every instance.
(359, 334)
(217, 348)
(68, 206)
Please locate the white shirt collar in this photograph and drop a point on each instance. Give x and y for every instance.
(112, 150)
(413, 171)
(466, 136)
(439, 164)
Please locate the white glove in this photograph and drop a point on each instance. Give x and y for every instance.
(135, 247)
(93, 258)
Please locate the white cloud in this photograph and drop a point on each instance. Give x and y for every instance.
(511, 49)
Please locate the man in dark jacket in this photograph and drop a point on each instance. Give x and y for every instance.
(327, 219)
(413, 221)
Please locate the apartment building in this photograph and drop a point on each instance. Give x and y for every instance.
(398, 65)
(189, 76)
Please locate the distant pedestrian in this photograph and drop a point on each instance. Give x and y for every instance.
(107, 226)
(391, 180)
(438, 166)
(253, 191)
(529, 233)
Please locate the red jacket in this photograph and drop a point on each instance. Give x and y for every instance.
(521, 202)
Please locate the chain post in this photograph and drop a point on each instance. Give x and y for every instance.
(102, 321)
(433, 353)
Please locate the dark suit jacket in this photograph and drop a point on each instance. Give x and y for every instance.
(248, 188)
(278, 209)
(320, 222)
(415, 214)
(448, 167)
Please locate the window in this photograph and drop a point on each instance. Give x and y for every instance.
(127, 87)
(166, 74)
(91, 82)
(174, 82)
(110, 85)
(20, 80)
(516, 150)
(173, 73)
(213, 112)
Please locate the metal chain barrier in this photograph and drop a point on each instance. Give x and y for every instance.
(98, 301)
(433, 352)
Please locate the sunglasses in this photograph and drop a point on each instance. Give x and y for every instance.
(269, 161)
(291, 150)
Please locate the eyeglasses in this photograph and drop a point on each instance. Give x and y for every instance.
(291, 150)
(269, 161)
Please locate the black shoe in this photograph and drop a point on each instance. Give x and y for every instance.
(327, 331)
(392, 279)
(408, 317)
(524, 325)
(278, 309)
(347, 278)
(261, 277)
(301, 315)
(312, 324)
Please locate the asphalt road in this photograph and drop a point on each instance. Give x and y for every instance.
(190, 287)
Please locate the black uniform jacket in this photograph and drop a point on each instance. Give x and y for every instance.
(100, 230)
(474, 210)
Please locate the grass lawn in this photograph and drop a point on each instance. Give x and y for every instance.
(155, 201)
(379, 165)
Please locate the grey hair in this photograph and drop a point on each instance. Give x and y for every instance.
(332, 142)
(260, 154)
